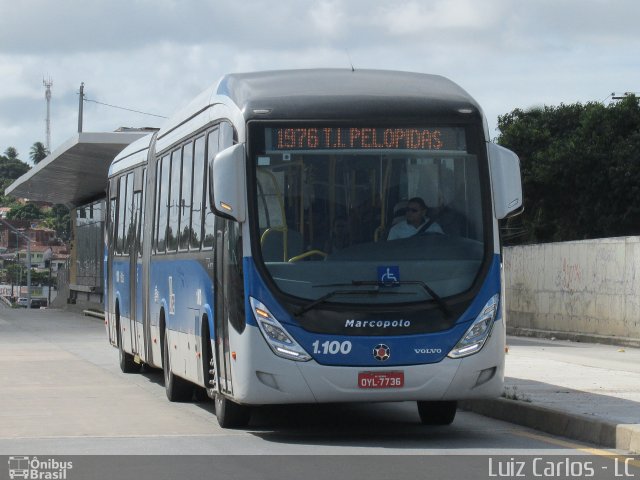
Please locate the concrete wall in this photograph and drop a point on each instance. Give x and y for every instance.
(587, 289)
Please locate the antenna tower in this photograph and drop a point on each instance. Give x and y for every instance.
(47, 94)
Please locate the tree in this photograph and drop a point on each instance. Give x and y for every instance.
(11, 153)
(580, 169)
(17, 273)
(12, 168)
(59, 219)
(25, 212)
(38, 152)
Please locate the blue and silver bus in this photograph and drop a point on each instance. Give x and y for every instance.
(248, 251)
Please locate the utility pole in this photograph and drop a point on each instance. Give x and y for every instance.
(26, 237)
(47, 95)
(80, 105)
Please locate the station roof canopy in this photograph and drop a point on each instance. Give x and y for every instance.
(76, 172)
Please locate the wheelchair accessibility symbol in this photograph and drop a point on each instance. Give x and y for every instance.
(389, 276)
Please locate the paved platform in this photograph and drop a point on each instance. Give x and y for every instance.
(582, 391)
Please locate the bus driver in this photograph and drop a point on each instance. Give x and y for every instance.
(416, 221)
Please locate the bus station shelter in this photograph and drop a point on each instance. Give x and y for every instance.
(75, 175)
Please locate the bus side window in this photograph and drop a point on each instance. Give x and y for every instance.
(174, 201)
(122, 204)
(185, 197)
(130, 219)
(163, 203)
(113, 204)
(199, 180)
(142, 213)
(209, 218)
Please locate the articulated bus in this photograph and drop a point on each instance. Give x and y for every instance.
(248, 252)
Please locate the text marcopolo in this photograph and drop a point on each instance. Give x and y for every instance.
(377, 323)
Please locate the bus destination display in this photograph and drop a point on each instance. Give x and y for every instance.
(352, 138)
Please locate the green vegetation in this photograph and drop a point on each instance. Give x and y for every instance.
(38, 152)
(580, 170)
(11, 168)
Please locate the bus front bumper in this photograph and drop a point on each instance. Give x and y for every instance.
(260, 377)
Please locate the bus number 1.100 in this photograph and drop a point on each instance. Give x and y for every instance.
(331, 348)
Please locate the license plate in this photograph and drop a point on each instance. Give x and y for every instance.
(380, 379)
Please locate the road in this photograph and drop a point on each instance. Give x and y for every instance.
(62, 393)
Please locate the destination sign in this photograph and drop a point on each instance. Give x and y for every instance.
(350, 138)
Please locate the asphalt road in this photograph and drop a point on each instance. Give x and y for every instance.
(62, 394)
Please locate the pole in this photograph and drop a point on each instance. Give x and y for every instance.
(47, 95)
(80, 105)
(26, 237)
(29, 274)
(49, 289)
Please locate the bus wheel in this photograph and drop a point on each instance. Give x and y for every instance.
(176, 388)
(437, 413)
(230, 414)
(127, 364)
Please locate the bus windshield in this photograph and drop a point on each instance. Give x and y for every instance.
(368, 215)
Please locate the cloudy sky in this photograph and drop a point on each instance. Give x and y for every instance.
(156, 55)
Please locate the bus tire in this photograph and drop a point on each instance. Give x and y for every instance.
(231, 414)
(127, 364)
(437, 413)
(208, 371)
(176, 388)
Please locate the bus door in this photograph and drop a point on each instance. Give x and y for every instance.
(135, 274)
(229, 295)
(109, 283)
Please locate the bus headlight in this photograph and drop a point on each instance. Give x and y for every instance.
(478, 332)
(281, 343)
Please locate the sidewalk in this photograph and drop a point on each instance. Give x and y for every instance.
(586, 392)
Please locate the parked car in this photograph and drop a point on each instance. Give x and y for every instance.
(22, 302)
(38, 302)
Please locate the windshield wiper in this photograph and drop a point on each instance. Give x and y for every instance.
(437, 298)
(324, 298)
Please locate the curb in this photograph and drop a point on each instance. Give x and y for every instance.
(576, 427)
(573, 336)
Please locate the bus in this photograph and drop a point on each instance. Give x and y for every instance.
(248, 253)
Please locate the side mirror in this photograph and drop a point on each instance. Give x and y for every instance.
(227, 186)
(506, 183)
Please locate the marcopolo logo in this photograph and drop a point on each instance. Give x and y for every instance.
(377, 323)
(38, 469)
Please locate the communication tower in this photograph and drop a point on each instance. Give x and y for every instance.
(47, 94)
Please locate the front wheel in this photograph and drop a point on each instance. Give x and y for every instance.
(437, 413)
(231, 414)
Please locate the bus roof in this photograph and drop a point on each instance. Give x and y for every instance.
(321, 93)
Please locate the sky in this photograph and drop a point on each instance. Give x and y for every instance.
(155, 56)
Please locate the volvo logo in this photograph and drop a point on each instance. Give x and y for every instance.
(427, 350)
(381, 352)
